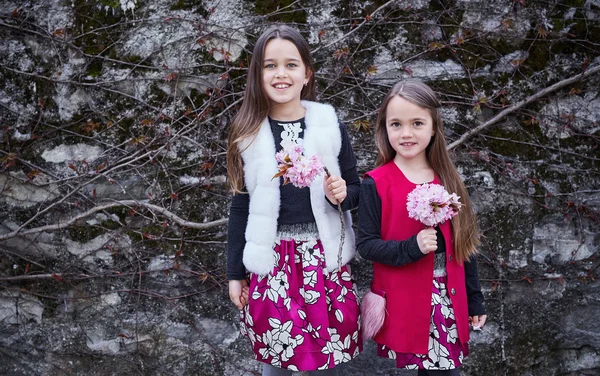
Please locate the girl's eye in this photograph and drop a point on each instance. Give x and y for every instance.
(267, 66)
(292, 65)
(395, 124)
(418, 124)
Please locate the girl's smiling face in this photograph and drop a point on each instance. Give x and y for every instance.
(409, 129)
(283, 72)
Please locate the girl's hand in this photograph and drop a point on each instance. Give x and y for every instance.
(335, 189)
(427, 240)
(238, 292)
(477, 321)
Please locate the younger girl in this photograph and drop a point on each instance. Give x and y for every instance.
(299, 308)
(428, 276)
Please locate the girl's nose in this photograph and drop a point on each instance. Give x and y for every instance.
(281, 72)
(405, 131)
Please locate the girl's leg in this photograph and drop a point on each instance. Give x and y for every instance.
(450, 372)
(269, 370)
(325, 372)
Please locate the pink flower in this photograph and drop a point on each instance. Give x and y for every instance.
(296, 168)
(431, 204)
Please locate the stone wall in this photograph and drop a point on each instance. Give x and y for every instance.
(114, 118)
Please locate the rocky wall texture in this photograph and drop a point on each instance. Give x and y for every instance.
(113, 121)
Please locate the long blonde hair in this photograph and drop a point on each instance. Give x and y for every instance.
(255, 106)
(465, 230)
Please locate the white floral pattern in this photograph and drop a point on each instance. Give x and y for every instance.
(278, 286)
(310, 278)
(313, 315)
(336, 347)
(310, 255)
(291, 134)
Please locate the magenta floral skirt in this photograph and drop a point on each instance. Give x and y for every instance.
(445, 350)
(301, 317)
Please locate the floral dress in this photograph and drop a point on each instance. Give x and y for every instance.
(313, 314)
(300, 316)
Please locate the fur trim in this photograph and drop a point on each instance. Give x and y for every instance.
(372, 313)
(259, 167)
(323, 138)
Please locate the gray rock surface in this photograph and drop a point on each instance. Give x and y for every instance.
(118, 112)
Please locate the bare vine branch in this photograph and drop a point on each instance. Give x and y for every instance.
(129, 203)
(550, 89)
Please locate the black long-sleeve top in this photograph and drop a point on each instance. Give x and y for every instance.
(295, 204)
(392, 252)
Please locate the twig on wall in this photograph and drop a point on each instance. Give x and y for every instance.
(589, 72)
(57, 226)
(354, 30)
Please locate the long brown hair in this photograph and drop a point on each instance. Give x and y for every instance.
(465, 231)
(255, 105)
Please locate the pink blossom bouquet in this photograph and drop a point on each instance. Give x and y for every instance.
(431, 204)
(296, 168)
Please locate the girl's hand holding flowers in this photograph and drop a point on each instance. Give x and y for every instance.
(427, 240)
(431, 205)
(335, 189)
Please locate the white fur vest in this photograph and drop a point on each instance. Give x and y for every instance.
(322, 138)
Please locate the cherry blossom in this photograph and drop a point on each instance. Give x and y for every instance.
(431, 204)
(296, 168)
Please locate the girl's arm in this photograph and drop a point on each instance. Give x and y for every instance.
(236, 239)
(369, 243)
(474, 296)
(347, 162)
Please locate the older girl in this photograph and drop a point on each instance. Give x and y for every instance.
(299, 308)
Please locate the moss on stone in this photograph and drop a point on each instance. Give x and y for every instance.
(94, 68)
(566, 4)
(110, 224)
(506, 227)
(292, 14)
(85, 233)
(448, 15)
(542, 49)
(157, 95)
(92, 21)
(509, 147)
(192, 5)
(114, 4)
(182, 5)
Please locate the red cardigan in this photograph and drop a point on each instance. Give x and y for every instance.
(408, 287)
